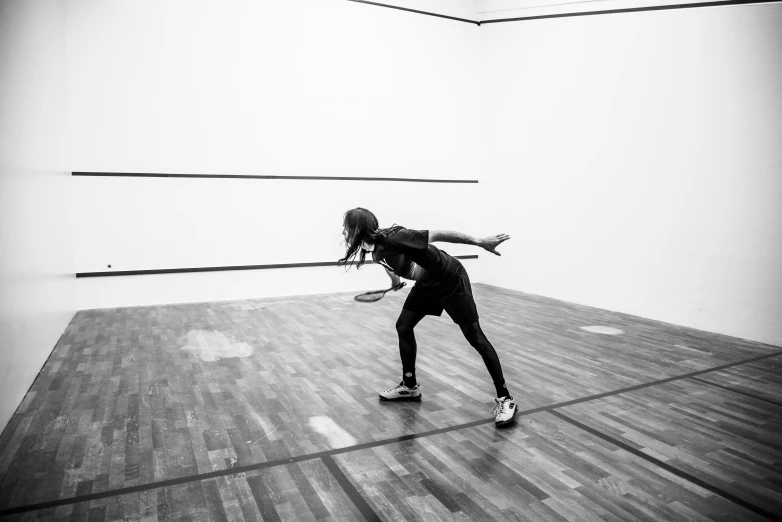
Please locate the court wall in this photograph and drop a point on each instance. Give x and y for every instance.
(37, 293)
(324, 88)
(634, 159)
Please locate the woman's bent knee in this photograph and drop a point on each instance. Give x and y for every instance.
(406, 322)
(471, 331)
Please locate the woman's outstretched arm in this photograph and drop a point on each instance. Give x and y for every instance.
(489, 243)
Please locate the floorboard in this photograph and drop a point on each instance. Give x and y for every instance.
(267, 409)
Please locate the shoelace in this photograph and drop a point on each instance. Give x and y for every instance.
(400, 385)
(499, 407)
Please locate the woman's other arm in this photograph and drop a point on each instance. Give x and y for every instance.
(394, 278)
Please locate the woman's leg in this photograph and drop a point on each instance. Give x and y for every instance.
(477, 339)
(407, 345)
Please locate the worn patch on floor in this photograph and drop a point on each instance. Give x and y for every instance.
(211, 345)
(607, 330)
(338, 437)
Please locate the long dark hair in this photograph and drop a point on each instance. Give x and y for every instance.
(362, 226)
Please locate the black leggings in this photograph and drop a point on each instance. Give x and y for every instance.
(472, 332)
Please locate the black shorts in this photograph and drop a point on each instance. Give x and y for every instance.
(454, 295)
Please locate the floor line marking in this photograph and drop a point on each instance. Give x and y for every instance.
(660, 381)
(359, 447)
(353, 493)
(667, 467)
(740, 392)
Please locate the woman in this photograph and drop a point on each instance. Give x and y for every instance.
(442, 283)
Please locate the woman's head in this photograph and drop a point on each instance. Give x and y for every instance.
(359, 225)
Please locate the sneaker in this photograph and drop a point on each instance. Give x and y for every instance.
(401, 393)
(504, 410)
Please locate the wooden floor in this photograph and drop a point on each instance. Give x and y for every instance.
(267, 410)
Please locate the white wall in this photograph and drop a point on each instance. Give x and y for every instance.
(36, 268)
(636, 161)
(185, 223)
(305, 88)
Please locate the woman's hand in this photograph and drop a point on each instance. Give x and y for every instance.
(394, 279)
(490, 243)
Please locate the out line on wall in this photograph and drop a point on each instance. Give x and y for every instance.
(416, 11)
(718, 3)
(633, 10)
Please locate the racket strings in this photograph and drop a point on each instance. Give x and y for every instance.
(370, 297)
(376, 295)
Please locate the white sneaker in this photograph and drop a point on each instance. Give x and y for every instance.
(401, 393)
(505, 411)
